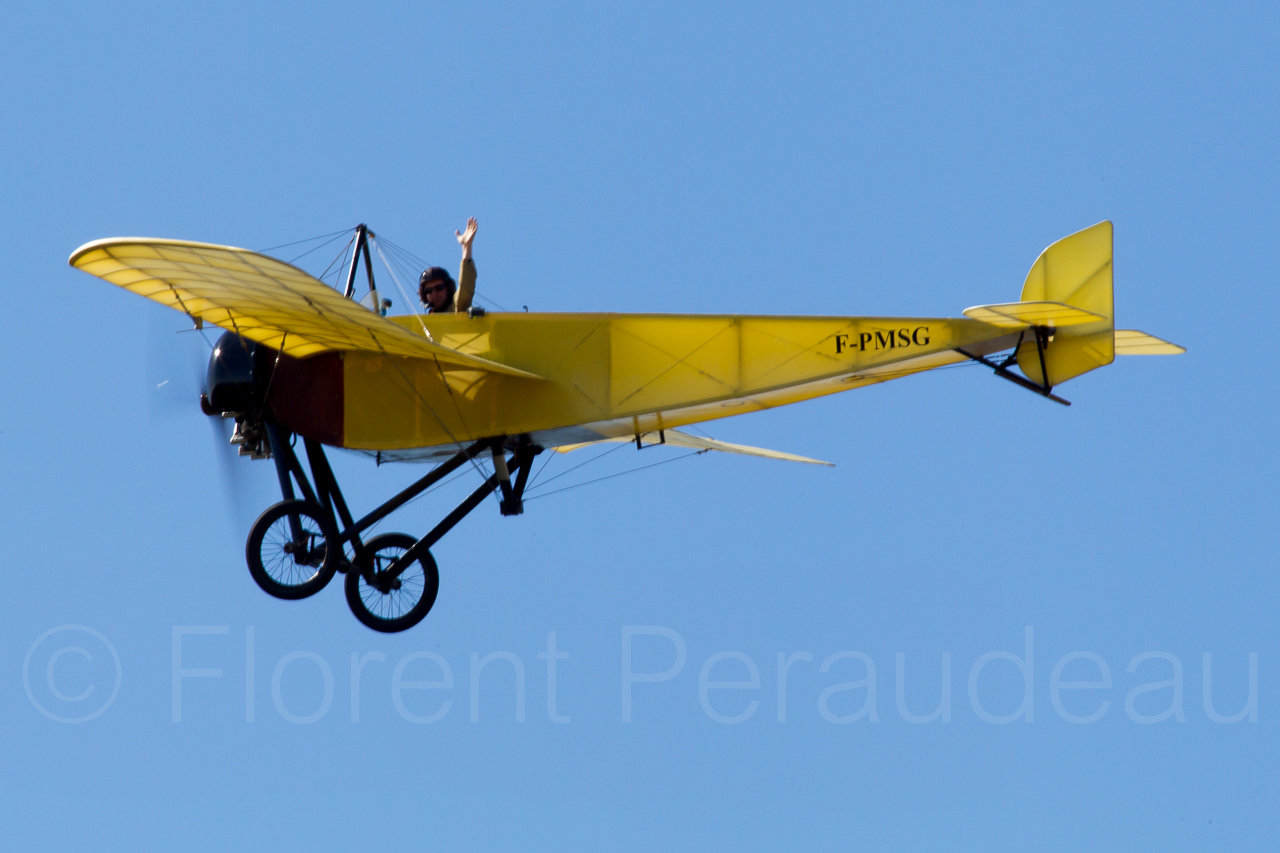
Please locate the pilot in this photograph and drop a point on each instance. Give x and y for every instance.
(440, 294)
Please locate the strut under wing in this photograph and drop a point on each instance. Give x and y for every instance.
(260, 298)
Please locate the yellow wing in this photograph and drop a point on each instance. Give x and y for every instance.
(259, 297)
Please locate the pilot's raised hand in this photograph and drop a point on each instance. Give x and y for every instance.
(465, 238)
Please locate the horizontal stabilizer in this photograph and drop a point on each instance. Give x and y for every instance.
(1133, 342)
(675, 438)
(1018, 315)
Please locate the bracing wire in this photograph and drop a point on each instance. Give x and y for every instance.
(595, 458)
(335, 263)
(413, 389)
(305, 240)
(399, 287)
(409, 270)
(297, 258)
(619, 474)
(408, 265)
(545, 462)
(411, 260)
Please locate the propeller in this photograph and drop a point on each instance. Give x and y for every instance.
(177, 359)
(177, 368)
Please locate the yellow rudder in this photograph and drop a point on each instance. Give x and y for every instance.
(1075, 271)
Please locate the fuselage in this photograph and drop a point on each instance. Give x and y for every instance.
(603, 375)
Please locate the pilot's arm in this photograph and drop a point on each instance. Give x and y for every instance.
(467, 272)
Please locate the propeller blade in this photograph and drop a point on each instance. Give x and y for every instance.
(176, 363)
(239, 483)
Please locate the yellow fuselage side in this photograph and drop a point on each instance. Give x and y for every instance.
(619, 374)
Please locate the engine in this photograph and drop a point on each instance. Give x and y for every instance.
(235, 388)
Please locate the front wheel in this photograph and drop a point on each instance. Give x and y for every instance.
(288, 551)
(401, 603)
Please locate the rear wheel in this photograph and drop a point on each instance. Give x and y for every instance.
(288, 551)
(400, 604)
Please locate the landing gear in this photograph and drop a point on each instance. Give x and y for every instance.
(296, 546)
(288, 550)
(392, 604)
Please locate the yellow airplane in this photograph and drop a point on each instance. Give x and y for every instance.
(301, 358)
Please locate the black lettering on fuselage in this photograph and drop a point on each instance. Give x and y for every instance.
(891, 339)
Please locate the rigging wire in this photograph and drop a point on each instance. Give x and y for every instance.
(409, 270)
(305, 240)
(413, 388)
(413, 261)
(409, 264)
(619, 474)
(377, 248)
(551, 453)
(334, 263)
(580, 464)
(410, 259)
(439, 368)
(316, 248)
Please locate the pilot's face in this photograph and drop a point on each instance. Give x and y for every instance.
(437, 294)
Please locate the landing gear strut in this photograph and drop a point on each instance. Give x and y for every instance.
(296, 546)
(1043, 334)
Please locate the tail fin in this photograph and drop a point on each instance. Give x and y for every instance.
(1066, 316)
(1075, 270)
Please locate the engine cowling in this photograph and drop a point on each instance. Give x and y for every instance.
(235, 388)
(306, 395)
(230, 387)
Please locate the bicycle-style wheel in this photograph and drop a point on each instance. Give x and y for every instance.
(402, 603)
(288, 551)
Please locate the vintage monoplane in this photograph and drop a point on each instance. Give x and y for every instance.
(300, 358)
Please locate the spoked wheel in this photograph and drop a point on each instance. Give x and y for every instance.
(402, 603)
(288, 552)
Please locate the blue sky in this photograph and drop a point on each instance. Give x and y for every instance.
(904, 159)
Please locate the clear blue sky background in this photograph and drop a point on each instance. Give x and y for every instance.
(728, 158)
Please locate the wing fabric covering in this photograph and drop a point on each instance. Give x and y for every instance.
(676, 438)
(260, 298)
(1132, 342)
(1023, 315)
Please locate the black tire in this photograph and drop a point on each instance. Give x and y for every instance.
(404, 606)
(284, 566)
